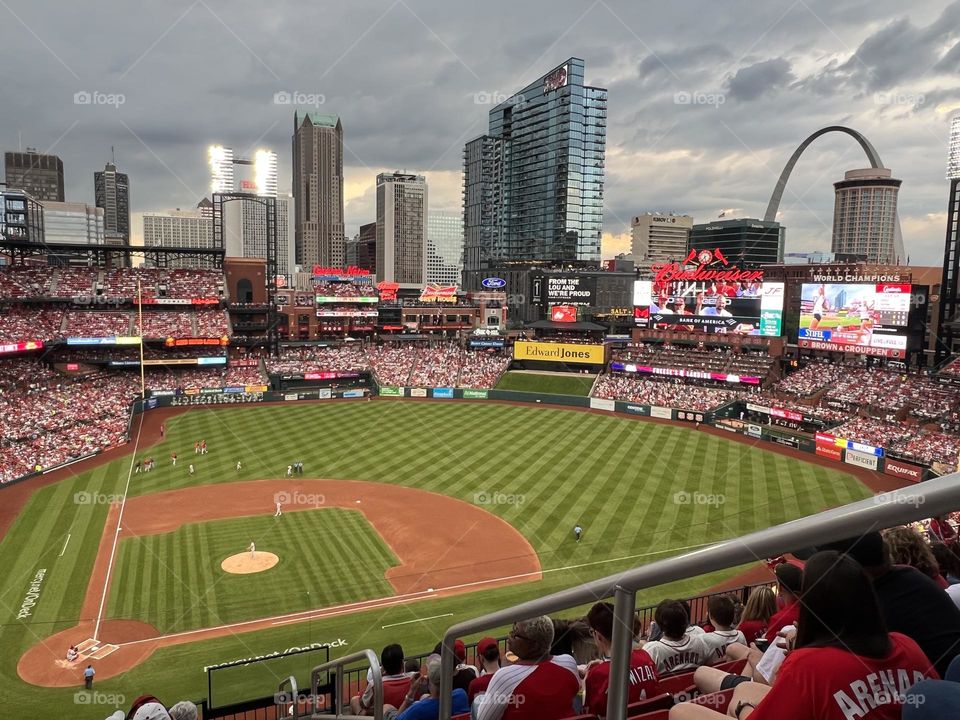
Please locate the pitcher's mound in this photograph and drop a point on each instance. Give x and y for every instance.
(243, 564)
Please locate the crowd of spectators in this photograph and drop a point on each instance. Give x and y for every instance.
(392, 363)
(344, 289)
(211, 323)
(952, 368)
(19, 323)
(812, 379)
(47, 419)
(168, 324)
(87, 323)
(346, 358)
(27, 282)
(437, 366)
(928, 447)
(666, 393)
(872, 431)
(700, 357)
(243, 375)
(481, 369)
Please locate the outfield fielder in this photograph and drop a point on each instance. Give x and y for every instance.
(577, 531)
(279, 512)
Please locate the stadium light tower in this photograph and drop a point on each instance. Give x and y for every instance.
(949, 320)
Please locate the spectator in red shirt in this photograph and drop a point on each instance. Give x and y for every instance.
(396, 683)
(760, 607)
(843, 665)
(488, 662)
(643, 671)
(789, 578)
(539, 686)
(942, 530)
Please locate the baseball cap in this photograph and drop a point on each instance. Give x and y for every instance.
(460, 650)
(487, 644)
(151, 711)
(790, 576)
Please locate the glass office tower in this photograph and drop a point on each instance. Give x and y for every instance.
(533, 186)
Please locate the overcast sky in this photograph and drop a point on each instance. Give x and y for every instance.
(707, 100)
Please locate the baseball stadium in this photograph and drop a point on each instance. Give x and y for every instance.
(242, 495)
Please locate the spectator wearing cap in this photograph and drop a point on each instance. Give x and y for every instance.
(643, 670)
(147, 707)
(396, 682)
(488, 662)
(183, 710)
(911, 602)
(426, 708)
(539, 686)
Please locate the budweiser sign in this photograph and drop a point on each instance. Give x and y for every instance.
(709, 266)
(351, 271)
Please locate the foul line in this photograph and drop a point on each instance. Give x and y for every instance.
(376, 603)
(67, 542)
(407, 622)
(116, 534)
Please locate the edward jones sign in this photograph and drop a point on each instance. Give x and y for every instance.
(559, 352)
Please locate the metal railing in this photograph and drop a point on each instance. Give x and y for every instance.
(288, 689)
(376, 678)
(916, 502)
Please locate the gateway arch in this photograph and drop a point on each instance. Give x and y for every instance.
(872, 156)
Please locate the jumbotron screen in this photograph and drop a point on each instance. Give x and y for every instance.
(740, 308)
(867, 318)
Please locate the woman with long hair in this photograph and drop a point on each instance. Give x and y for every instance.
(760, 607)
(843, 663)
(907, 547)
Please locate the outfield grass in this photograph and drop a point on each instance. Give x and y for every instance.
(173, 570)
(830, 322)
(545, 383)
(617, 477)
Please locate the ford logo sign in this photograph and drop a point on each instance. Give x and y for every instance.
(493, 283)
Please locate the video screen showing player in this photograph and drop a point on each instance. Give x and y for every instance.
(844, 314)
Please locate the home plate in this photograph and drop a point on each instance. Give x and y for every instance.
(88, 646)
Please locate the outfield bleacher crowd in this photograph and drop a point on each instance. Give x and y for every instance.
(663, 392)
(344, 289)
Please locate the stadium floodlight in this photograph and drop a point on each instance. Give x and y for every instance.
(265, 172)
(220, 160)
(953, 152)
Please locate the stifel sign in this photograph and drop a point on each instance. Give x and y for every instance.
(673, 272)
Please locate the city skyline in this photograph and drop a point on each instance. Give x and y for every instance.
(696, 124)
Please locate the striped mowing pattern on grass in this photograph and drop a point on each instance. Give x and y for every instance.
(541, 469)
(174, 580)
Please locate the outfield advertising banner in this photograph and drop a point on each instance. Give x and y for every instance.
(391, 391)
(353, 393)
(602, 404)
(469, 394)
(324, 394)
(831, 452)
(855, 457)
(443, 393)
(559, 352)
(418, 392)
(664, 413)
(905, 470)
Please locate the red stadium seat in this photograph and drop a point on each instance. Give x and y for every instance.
(586, 716)
(732, 666)
(655, 715)
(674, 684)
(657, 702)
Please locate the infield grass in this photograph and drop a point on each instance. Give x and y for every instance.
(630, 484)
(330, 553)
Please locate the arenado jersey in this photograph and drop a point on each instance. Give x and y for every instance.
(834, 684)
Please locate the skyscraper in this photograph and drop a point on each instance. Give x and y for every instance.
(187, 229)
(401, 228)
(660, 237)
(743, 241)
(948, 326)
(444, 247)
(318, 189)
(533, 186)
(865, 216)
(112, 193)
(35, 173)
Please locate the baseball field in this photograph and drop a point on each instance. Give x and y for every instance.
(408, 516)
